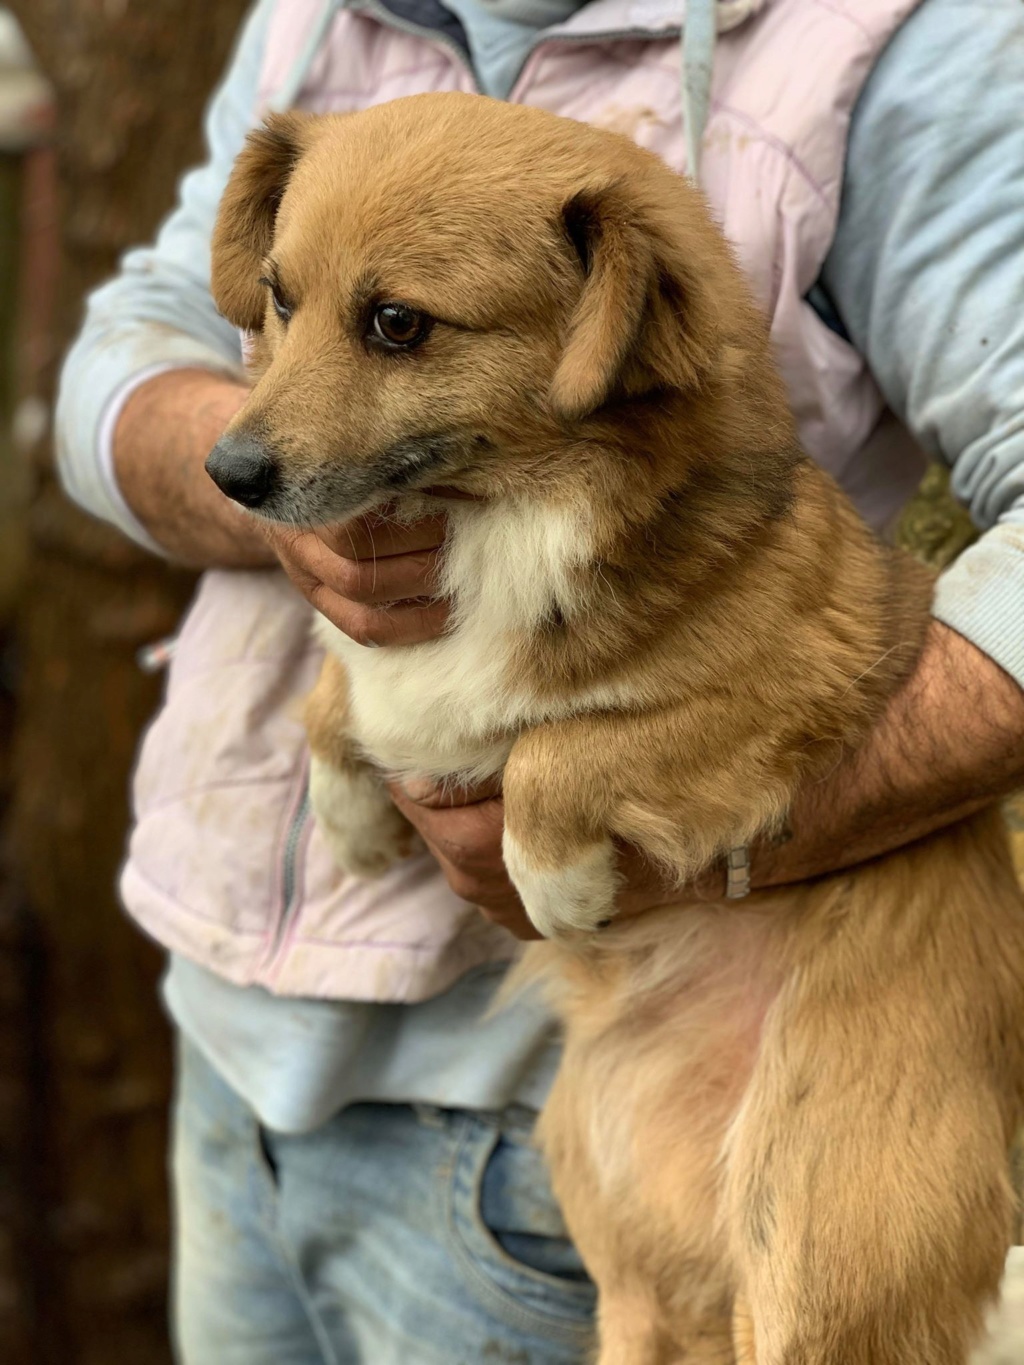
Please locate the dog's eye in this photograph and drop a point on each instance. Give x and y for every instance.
(281, 308)
(396, 324)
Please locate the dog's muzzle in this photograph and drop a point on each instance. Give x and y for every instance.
(243, 468)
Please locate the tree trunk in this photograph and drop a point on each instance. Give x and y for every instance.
(131, 77)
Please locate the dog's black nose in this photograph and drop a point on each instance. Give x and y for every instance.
(243, 468)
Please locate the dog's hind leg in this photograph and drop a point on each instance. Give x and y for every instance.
(868, 1197)
(631, 1333)
(743, 1334)
(848, 1260)
(628, 1330)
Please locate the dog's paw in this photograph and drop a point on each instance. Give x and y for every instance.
(577, 897)
(360, 824)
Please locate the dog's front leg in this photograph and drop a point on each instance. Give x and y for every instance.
(556, 844)
(682, 784)
(360, 823)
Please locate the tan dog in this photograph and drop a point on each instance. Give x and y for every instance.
(780, 1132)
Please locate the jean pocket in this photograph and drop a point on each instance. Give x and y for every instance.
(510, 1229)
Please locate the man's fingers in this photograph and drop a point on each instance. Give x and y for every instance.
(513, 918)
(398, 579)
(372, 582)
(496, 900)
(442, 796)
(466, 841)
(469, 835)
(371, 626)
(401, 623)
(373, 537)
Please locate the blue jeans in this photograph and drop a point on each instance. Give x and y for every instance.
(389, 1236)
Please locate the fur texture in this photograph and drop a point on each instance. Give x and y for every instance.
(780, 1131)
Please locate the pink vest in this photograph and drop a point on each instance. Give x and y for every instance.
(224, 863)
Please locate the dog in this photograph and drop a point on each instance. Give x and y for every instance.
(780, 1129)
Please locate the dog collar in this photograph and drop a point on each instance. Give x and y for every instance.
(737, 873)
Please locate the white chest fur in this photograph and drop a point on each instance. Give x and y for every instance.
(452, 707)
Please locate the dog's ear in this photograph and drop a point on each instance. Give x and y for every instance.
(244, 230)
(645, 319)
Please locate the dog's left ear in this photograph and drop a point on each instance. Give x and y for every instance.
(244, 231)
(645, 319)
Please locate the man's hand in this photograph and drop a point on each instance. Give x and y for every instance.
(373, 579)
(463, 829)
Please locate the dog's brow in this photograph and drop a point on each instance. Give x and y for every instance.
(365, 291)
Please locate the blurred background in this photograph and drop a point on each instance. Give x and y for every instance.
(100, 105)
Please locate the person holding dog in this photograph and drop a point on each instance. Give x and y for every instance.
(353, 1174)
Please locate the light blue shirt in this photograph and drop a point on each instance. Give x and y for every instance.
(500, 34)
(926, 275)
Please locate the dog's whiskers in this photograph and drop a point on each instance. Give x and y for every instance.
(877, 664)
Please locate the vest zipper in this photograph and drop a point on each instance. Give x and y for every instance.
(293, 842)
(291, 854)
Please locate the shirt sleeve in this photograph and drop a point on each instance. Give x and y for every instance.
(157, 313)
(927, 274)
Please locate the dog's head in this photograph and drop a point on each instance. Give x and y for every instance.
(450, 291)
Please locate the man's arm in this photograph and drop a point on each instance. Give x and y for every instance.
(155, 317)
(163, 436)
(950, 742)
(927, 273)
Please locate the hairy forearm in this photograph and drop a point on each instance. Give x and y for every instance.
(950, 743)
(163, 437)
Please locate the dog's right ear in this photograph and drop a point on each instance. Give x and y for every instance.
(244, 231)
